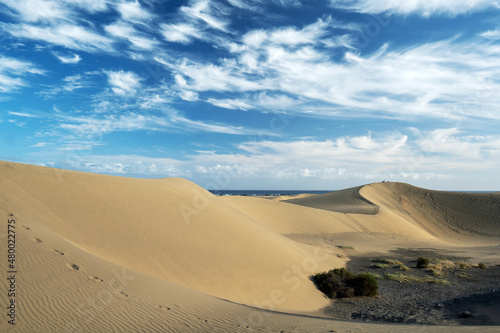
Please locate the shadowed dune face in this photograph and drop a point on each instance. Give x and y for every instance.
(456, 217)
(347, 201)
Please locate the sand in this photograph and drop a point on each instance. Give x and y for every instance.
(104, 253)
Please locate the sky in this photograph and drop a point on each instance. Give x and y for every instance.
(255, 94)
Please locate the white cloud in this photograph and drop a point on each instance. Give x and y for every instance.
(92, 6)
(233, 104)
(181, 33)
(421, 7)
(491, 34)
(124, 30)
(215, 78)
(23, 114)
(460, 76)
(67, 35)
(13, 73)
(52, 10)
(133, 11)
(135, 165)
(438, 154)
(69, 85)
(36, 10)
(194, 125)
(68, 59)
(211, 13)
(188, 95)
(90, 126)
(123, 82)
(40, 145)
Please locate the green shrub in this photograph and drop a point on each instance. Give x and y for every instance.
(343, 273)
(345, 247)
(364, 285)
(423, 262)
(340, 283)
(388, 261)
(403, 267)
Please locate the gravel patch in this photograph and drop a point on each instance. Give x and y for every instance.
(471, 297)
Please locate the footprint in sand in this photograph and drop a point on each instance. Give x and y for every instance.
(163, 307)
(73, 266)
(38, 240)
(58, 252)
(25, 227)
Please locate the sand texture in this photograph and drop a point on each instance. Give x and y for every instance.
(101, 253)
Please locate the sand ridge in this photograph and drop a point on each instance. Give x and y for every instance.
(348, 201)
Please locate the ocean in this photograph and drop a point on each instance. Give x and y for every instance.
(291, 192)
(264, 192)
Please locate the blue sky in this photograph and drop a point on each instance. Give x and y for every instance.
(253, 94)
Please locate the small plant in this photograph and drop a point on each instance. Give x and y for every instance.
(387, 261)
(400, 277)
(345, 247)
(403, 267)
(482, 265)
(423, 262)
(364, 285)
(340, 283)
(436, 273)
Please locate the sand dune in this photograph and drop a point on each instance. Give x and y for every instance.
(450, 216)
(103, 253)
(347, 201)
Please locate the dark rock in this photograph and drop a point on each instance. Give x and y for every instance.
(465, 314)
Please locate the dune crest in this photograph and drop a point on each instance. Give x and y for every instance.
(347, 201)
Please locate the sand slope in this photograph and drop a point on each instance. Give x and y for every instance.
(168, 228)
(342, 201)
(102, 253)
(450, 216)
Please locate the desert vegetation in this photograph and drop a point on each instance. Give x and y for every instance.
(340, 283)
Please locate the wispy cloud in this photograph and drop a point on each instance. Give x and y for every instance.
(123, 82)
(13, 73)
(433, 154)
(124, 30)
(418, 155)
(213, 14)
(491, 34)
(23, 114)
(420, 7)
(133, 11)
(181, 33)
(234, 104)
(68, 59)
(387, 83)
(135, 165)
(69, 85)
(36, 10)
(70, 36)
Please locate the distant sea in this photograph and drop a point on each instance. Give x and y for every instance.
(264, 192)
(291, 192)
